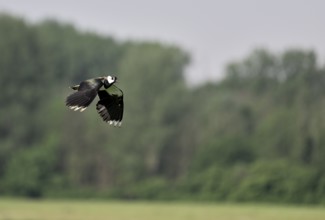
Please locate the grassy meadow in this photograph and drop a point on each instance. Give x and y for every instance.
(13, 209)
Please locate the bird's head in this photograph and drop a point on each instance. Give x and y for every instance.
(109, 80)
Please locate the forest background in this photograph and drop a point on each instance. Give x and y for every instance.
(258, 134)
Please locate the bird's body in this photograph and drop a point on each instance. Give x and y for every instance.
(110, 105)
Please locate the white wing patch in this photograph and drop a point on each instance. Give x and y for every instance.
(76, 108)
(115, 123)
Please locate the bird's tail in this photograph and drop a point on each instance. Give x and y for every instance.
(75, 87)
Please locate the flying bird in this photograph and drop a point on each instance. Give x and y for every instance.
(110, 105)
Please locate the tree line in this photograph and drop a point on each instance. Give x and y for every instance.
(256, 135)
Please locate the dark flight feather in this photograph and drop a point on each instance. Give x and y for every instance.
(110, 107)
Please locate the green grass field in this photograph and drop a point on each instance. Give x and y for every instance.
(12, 209)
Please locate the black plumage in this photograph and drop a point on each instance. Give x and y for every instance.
(110, 105)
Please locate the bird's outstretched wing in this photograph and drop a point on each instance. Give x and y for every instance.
(81, 99)
(110, 105)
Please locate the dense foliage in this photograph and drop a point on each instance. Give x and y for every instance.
(257, 135)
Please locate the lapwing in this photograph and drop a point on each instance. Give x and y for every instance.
(110, 105)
